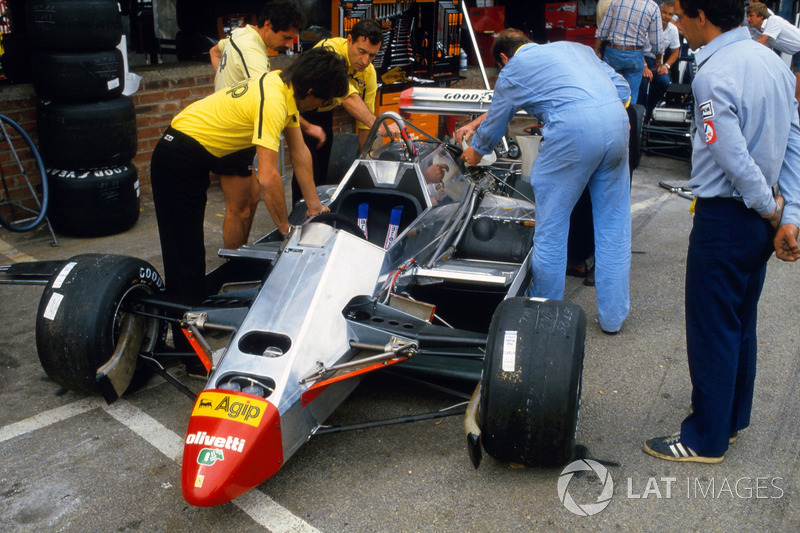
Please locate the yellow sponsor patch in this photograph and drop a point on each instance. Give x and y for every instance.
(230, 407)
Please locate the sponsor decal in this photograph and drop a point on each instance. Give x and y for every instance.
(198, 481)
(209, 456)
(710, 132)
(63, 275)
(52, 306)
(707, 110)
(168, 137)
(509, 351)
(201, 438)
(149, 274)
(238, 90)
(469, 97)
(230, 407)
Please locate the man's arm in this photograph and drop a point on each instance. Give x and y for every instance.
(656, 31)
(216, 54)
(728, 146)
(763, 39)
(468, 130)
(354, 105)
(671, 59)
(786, 247)
(271, 184)
(303, 170)
(494, 123)
(312, 130)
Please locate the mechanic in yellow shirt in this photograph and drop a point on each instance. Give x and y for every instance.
(253, 112)
(358, 49)
(241, 56)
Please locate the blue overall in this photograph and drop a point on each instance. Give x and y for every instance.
(584, 141)
(747, 141)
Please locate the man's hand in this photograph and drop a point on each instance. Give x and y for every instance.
(394, 130)
(647, 74)
(786, 248)
(775, 218)
(663, 69)
(317, 210)
(312, 130)
(465, 132)
(471, 157)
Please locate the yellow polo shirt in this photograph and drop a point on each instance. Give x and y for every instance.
(364, 83)
(251, 112)
(244, 55)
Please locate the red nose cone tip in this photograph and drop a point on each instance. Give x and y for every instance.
(233, 444)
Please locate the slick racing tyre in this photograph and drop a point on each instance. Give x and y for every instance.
(636, 117)
(80, 315)
(78, 77)
(531, 382)
(87, 135)
(93, 203)
(74, 25)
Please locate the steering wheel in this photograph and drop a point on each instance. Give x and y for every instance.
(338, 220)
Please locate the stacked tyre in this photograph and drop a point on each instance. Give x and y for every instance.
(86, 127)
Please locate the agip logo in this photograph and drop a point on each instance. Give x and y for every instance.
(230, 407)
(603, 499)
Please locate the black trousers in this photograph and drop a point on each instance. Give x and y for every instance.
(319, 156)
(179, 171)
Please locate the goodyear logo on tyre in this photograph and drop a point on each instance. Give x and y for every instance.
(230, 407)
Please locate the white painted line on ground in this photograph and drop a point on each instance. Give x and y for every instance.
(269, 514)
(258, 506)
(165, 440)
(48, 418)
(13, 254)
(647, 204)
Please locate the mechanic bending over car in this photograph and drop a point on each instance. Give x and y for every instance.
(241, 56)
(577, 97)
(358, 49)
(253, 112)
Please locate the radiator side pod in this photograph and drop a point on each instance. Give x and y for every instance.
(233, 443)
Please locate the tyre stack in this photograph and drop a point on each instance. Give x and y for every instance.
(86, 127)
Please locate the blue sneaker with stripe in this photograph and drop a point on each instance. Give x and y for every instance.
(671, 448)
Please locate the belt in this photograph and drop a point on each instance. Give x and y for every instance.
(616, 47)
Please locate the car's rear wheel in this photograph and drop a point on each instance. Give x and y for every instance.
(81, 312)
(531, 381)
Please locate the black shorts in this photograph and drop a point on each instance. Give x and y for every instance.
(236, 164)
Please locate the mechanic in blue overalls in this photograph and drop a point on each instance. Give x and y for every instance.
(581, 101)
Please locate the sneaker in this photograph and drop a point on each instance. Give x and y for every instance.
(671, 448)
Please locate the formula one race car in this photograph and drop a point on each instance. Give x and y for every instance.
(422, 265)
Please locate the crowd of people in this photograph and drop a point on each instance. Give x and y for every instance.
(745, 164)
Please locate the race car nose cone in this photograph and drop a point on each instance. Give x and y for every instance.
(233, 444)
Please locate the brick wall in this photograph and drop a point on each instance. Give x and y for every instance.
(163, 92)
(20, 107)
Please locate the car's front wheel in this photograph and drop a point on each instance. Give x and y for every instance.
(531, 381)
(82, 312)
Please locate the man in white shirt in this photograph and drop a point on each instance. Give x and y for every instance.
(656, 74)
(777, 33)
